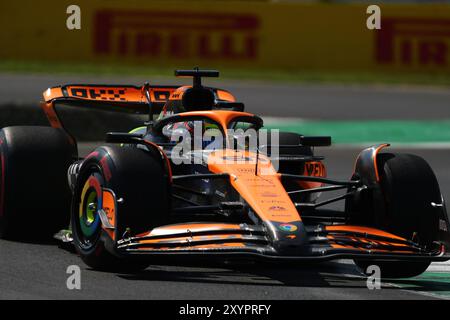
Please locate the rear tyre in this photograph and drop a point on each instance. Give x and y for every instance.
(138, 177)
(34, 193)
(409, 186)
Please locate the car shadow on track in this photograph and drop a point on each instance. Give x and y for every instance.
(312, 275)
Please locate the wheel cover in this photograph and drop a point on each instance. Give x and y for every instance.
(91, 201)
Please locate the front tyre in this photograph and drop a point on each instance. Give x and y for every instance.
(409, 187)
(138, 178)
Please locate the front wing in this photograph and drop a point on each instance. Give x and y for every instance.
(243, 241)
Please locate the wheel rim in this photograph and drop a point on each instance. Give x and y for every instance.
(91, 201)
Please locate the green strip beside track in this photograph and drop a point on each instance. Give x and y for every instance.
(434, 283)
(354, 132)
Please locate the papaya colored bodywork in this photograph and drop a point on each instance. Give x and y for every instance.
(256, 215)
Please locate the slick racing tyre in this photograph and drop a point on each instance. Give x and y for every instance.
(409, 188)
(138, 180)
(34, 193)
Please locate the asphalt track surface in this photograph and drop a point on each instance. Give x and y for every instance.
(308, 101)
(38, 270)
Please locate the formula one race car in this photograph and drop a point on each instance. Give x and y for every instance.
(147, 195)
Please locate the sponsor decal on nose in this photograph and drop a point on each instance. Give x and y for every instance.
(288, 227)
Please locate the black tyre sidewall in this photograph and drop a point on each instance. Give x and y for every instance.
(138, 177)
(34, 190)
(409, 186)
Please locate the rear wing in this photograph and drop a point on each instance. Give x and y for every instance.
(121, 98)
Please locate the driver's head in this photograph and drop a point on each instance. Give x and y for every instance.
(171, 107)
(203, 133)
